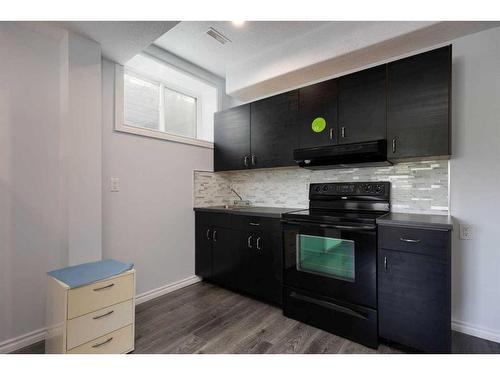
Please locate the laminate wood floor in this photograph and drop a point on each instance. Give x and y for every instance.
(204, 318)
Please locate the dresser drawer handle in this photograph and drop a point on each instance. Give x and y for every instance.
(104, 287)
(409, 240)
(103, 343)
(103, 315)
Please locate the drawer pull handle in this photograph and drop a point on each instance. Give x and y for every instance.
(103, 315)
(103, 343)
(255, 224)
(409, 240)
(104, 287)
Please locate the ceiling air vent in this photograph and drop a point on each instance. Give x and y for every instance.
(222, 39)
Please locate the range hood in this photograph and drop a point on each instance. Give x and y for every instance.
(363, 154)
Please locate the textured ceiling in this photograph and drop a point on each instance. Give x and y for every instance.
(120, 40)
(189, 40)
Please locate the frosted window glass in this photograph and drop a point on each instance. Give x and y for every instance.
(141, 103)
(180, 114)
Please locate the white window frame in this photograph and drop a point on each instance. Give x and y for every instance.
(121, 126)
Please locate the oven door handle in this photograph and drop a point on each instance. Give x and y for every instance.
(333, 226)
(328, 305)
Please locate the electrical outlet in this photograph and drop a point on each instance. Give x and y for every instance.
(465, 232)
(115, 184)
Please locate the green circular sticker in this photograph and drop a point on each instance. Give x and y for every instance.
(318, 124)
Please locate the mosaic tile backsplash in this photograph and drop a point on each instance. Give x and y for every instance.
(416, 187)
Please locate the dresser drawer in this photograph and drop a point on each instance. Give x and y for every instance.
(95, 324)
(101, 294)
(119, 341)
(413, 240)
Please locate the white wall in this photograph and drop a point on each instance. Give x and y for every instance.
(50, 167)
(150, 222)
(475, 183)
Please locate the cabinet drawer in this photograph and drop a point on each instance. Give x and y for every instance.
(97, 323)
(95, 296)
(422, 241)
(119, 341)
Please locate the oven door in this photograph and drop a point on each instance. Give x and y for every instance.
(337, 261)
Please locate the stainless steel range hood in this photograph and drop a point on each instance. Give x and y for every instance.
(364, 154)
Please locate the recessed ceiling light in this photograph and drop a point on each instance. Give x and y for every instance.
(238, 23)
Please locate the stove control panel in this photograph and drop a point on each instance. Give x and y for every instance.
(347, 189)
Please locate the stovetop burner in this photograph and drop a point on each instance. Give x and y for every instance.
(351, 202)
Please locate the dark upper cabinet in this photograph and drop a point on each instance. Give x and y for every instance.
(318, 114)
(362, 106)
(232, 139)
(274, 131)
(414, 288)
(418, 118)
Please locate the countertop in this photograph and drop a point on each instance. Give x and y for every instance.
(274, 212)
(443, 222)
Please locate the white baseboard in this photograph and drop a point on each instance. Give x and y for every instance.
(473, 330)
(19, 342)
(30, 338)
(165, 289)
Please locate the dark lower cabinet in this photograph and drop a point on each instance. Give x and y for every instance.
(414, 288)
(242, 253)
(418, 105)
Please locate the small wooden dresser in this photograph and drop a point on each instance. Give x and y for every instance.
(91, 319)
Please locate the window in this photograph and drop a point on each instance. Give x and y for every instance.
(161, 101)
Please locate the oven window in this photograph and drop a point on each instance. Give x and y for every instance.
(326, 256)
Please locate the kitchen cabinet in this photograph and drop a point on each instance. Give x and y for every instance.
(362, 106)
(414, 287)
(239, 252)
(419, 97)
(318, 114)
(274, 131)
(232, 139)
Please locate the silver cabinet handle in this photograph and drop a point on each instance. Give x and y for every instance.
(258, 243)
(214, 236)
(249, 242)
(103, 315)
(342, 131)
(331, 133)
(102, 343)
(254, 160)
(385, 263)
(104, 287)
(208, 234)
(409, 240)
(245, 161)
(255, 224)
(394, 140)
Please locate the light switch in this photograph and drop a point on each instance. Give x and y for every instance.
(465, 232)
(115, 184)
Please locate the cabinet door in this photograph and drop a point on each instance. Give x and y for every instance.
(203, 247)
(419, 89)
(318, 114)
(362, 106)
(274, 130)
(232, 139)
(224, 257)
(414, 300)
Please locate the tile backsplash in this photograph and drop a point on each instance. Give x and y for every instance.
(417, 187)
